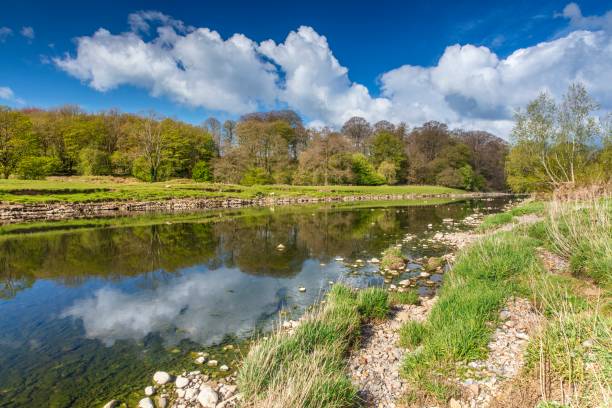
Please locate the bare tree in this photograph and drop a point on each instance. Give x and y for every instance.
(213, 126)
(229, 134)
(357, 129)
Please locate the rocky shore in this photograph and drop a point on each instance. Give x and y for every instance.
(14, 213)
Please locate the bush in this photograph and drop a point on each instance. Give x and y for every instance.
(142, 170)
(201, 171)
(37, 168)
(256, 176)
(388, 171)
(373, 303)
(364, 173)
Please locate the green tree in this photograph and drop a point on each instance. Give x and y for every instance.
(16, 139)
(364, 173)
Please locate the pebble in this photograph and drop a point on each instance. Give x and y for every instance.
(111, 404)
(149, 391)
(213, 363)
(302, 289)
(224, 368)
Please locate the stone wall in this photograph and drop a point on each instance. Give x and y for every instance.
(12, 213)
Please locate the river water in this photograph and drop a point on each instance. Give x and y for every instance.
(90, 309)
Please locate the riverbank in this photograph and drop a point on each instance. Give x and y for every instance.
(523, 319)
(51, 200)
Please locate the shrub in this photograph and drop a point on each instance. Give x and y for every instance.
(256, 176)
(37, 168)
(364, 173)
(201, 171)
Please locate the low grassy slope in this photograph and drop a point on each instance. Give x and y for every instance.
(576, 335)
(88, 189)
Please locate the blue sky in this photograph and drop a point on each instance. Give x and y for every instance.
(327, 60)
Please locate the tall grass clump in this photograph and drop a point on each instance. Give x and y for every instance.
(493, 221)
(572, 354)
(458, 328)
(408, 297)
(581, 231)
(307, 368)
(373, 303)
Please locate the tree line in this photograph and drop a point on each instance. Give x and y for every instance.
(259, 148)
(554, 142)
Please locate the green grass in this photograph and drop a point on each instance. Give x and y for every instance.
(91, 189)
(373, 303)
(574, 342)
(409, 297)
(393, 259)
(308, 368)
(412, 334)
(459, 325)
(494, 221)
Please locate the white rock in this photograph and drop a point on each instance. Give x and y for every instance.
(280, 247)
(191, 394)
(302, 289)
(181, 381)
(200, 360)
(424, 275)
(161, 377)
(208, 397)
(213, 363)
(149, 391)
(374, 260)
(162, 402)
(111, 404)
(146, 403)
(339, 259)
(224, 368)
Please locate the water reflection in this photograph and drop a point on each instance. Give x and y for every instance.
(86, 315)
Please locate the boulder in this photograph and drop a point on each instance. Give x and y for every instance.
(181, 382)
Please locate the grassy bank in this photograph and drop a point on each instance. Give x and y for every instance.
(574, 342)
(307, 368)
(91, 189)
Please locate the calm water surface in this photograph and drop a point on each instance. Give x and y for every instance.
(89, 311)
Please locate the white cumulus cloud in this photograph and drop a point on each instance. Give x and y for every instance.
(470, 86)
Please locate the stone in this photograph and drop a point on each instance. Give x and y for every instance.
(161, 378)
(280, 247)
(162, 402)
(146, 403)
(453, 403)
(111, 404)
(180, 393)
(149, 391)
(191, 394)
(224, 368)
(207, 397)
(374, 260)
(181, 382)
(504, 315)
(213, 363)
(424, 274)
(200, 360)
(302, 289)
(588, 343)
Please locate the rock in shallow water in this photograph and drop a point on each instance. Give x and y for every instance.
(207, 397)
(161, 377)
(146, 403)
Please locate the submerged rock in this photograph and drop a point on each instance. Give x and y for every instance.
(146, 403)
(161, 377)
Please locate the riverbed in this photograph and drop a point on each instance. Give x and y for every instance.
(89, 309)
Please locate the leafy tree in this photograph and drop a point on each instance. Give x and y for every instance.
(152, 143)
(15, 139)
(201, 171)
(560, 138)
(256, 176)
(37, 168)
(388, 170)
(326, 160)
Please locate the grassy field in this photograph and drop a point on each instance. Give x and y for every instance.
(90, 189)
(572, 350)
